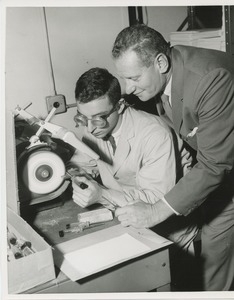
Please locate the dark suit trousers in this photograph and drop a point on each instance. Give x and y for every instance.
(218, 241)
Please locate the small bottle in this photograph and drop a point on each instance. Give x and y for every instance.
(18, 246)
(25, 247)
(16, 251)
(11, 237)
(10, 255)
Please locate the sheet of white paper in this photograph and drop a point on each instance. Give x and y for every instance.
(107, 253)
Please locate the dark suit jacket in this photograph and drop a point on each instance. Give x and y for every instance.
(203, 97)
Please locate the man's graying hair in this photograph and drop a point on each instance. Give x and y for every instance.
(145, 41)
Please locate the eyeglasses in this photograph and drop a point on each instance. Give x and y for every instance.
(97, 121)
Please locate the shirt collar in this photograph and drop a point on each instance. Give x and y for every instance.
(167, 90)
(117, 133)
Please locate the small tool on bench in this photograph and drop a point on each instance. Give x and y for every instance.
(78, 227)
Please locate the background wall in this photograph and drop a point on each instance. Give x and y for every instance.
(80, 38)
(165, 19)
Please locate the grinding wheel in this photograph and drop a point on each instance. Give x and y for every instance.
(43, 172)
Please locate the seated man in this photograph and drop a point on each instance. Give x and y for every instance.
(141, 159)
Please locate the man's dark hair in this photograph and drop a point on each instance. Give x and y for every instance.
(95, 83)
(145, 41)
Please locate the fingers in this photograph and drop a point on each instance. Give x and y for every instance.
(133, 215)
(80, 203)
(120, 211)
(87, 196)
(78, 184)
(123, 216)
(80, 179)
(80, 199)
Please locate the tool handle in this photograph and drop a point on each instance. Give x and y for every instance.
(83, 185)
(72, 175)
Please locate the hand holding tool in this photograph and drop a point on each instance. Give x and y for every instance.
(72, 173)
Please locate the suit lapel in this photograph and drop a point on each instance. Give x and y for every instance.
(177, 90)
(162, 114)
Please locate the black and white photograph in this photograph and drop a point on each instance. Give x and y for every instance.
(117, 150)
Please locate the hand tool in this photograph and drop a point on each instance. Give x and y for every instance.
(72, 173)
(78, 227)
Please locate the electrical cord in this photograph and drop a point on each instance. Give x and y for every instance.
(49, 52)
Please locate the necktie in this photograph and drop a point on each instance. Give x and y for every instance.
(113, 144)
(166, 106)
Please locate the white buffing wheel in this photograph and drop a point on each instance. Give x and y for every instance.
(43, 172)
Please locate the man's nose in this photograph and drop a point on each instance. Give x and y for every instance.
(91, 128)
(130, 87)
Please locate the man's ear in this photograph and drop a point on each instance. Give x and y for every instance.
(162, 63)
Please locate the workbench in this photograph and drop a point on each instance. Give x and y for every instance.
(149, 272)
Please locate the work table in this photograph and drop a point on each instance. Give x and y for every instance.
(142, 274)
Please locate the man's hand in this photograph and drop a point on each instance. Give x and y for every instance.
(85, 197)
(143, 215)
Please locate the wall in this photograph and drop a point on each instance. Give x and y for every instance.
(78, 41)
(165, 19)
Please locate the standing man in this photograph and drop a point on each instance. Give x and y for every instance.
(141, 158)
(197, 99)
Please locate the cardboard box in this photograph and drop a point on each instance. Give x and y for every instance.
(89, 254)
(28, 271)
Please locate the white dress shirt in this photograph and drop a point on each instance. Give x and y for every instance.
(167, 92)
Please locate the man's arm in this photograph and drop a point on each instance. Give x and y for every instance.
(155, 168)
(213, 106)
(154, 175)
(215, 136)
(143, 215)
(138, 214)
